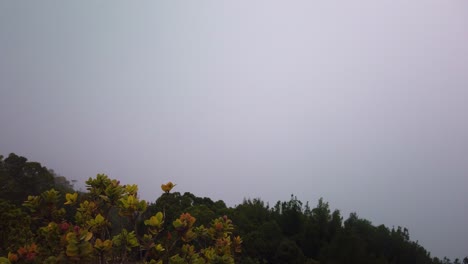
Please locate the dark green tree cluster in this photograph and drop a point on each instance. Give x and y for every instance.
(20, 178)
(300, 234)
(291, 232)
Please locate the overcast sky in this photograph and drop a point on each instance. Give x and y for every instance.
(362, 103)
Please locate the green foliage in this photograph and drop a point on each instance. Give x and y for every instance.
(292, 233)
(110, 224)
(289, 253)
(78, 246)
(21, 178)
(14, 227)
(155, 223)
(124, 242)
(109, 227)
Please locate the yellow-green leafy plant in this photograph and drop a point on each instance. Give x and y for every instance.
(109, 227)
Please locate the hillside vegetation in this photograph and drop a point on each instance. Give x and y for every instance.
(44, 220)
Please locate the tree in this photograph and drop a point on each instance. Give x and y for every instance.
(21, 178)
(289, 253)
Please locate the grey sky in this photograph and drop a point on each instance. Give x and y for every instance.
(363, 103)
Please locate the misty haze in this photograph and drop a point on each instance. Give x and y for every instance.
(334, 132)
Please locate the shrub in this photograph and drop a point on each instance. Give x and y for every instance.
(108, 227)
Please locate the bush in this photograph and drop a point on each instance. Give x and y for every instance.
(108, 227)
(14, 227)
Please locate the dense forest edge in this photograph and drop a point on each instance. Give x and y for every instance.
(43, 219)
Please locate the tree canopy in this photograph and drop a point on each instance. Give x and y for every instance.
(43, 219)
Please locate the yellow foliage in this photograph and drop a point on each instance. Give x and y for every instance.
(71, 198)
(88, 238)
(105, 245)
(167, 187)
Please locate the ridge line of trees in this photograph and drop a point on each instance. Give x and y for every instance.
(288, 232)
